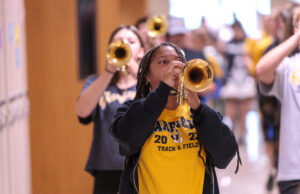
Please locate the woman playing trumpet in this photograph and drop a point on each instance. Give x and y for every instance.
(169, 148)
(97, 103)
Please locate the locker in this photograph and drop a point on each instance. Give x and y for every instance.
(19, 157)
(14, 136)
(14, 20)
(4, 149)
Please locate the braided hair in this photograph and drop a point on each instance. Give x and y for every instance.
(143, 87)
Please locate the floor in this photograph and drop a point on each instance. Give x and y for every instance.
(253, 174)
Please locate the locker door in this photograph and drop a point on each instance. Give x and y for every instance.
(4, 149)
(17, 101)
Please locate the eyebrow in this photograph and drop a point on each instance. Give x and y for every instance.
(164, 56)
(178, 57)
(161, 56)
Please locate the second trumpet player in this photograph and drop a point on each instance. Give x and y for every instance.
(101, 96)
(122, 50)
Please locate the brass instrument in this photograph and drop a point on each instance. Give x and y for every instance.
(157, 26)
(196, 76)
(119, 54)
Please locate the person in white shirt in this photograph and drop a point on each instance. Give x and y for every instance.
(279, 76)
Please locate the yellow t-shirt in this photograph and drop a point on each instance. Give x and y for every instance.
(256, 49)
(169, 161)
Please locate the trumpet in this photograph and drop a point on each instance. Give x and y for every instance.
(119, 54)
(157, 26)
(196, 76)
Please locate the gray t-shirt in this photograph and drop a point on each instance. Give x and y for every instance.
(286, 88)
(104, 153)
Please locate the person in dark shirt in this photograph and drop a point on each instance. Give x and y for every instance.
(98, 102)
(170, 148)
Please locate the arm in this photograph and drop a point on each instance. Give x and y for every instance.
(88, 100)
(267, 65)
(134, 122)
(217, 139)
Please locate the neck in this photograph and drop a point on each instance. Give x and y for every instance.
(172, 103)
(125, 81)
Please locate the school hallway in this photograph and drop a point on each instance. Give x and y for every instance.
(253, 174)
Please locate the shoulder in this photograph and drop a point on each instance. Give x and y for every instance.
(90, 79)
(293, 59)
(289, 62)
(88, 82)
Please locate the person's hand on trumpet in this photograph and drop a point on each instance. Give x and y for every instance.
(110, 68)
(172, 78)
(172, 73)
(192, 99)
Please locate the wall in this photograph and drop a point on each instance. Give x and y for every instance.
(59, 144)
(14, 107)
(157, 7)
(111, 14)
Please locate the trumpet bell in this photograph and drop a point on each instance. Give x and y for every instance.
(157, 26)
(118, 53)
(197, 75)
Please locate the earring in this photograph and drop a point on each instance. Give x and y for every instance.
(148, 85)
